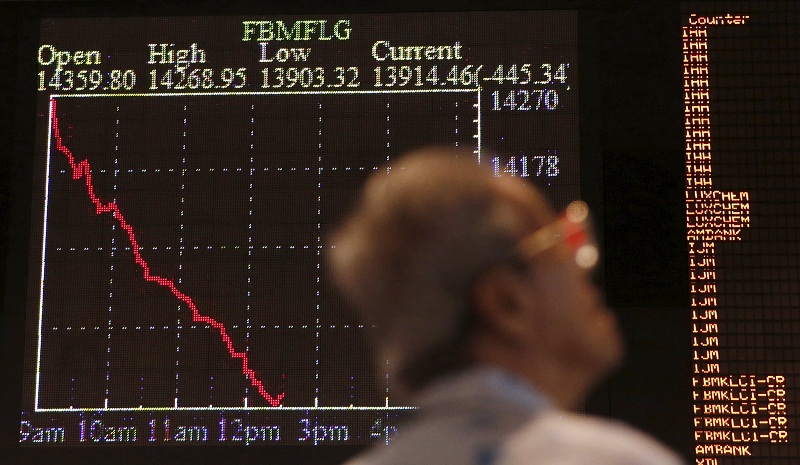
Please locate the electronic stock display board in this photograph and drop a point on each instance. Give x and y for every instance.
(188, 172)
(741, 75)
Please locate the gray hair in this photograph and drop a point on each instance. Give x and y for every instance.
(408, 256)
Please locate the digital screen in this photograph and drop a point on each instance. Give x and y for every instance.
(741, 73)
(188, 173)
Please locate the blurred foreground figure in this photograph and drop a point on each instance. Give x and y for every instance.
(483, 304)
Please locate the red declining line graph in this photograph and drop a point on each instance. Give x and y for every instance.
(83, 170)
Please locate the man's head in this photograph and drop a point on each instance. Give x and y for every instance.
(431, 256)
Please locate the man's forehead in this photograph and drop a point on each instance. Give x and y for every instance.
(526, 198)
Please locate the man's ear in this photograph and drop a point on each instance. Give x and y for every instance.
(499, 304)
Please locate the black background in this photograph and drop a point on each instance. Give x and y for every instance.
(632, 174)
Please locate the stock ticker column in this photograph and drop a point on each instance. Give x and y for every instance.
(188, 173)
(742, 118)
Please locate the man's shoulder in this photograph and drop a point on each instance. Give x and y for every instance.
(560, 437)
(549, 438)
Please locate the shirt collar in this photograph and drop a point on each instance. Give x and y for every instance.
(482, 386)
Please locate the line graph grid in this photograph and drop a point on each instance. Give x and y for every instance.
(227, 200)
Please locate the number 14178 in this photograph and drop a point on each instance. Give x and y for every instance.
(525, 166)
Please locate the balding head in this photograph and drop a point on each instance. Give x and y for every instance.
(410, 253)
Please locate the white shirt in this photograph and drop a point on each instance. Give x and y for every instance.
(485, 416)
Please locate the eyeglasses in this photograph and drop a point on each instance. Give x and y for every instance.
(573, 229)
